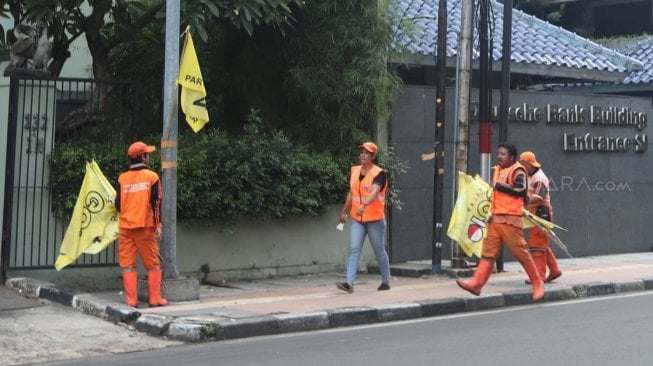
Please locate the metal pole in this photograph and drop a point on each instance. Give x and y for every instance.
(438, 173)
(484, 125)
(169, 142)
(10, 163)
(464, 76)
(506, 52)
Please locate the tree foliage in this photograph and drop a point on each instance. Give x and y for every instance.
(338, 76)
(108, 24)
(325, 82)
(320, 76)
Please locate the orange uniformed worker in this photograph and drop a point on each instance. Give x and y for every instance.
(539, 204)
(365, 204)
(139, 203)
(510, 186)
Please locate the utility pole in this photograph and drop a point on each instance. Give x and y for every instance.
(506, 52)
(169, 142)
(438, 173)
(174, 287)
(484, 125)
(464, 78)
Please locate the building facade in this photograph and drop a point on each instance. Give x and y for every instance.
(594, 148)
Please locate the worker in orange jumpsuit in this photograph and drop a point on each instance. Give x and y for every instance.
(139, 203)
(539, 204)
(510, 186)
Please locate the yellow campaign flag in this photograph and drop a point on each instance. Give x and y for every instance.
(193, 93)
(468, 224)
(531, 221)
(94, 223)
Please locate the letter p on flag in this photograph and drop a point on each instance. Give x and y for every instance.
(193, 93)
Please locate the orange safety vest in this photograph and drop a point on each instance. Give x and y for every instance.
(503, 203)
(136, 209)
(361, 189)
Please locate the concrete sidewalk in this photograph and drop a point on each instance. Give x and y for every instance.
(281, 305)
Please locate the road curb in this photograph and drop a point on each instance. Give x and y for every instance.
(359, 315)
(26, 286)
(394, 312)
(61, 296)
(436, 307)
(302, 322)
(152, 324)
(245, 327)
(186, 332)
(189, 330)
(90, 304)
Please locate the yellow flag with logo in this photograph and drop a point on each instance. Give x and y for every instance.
(468, 224)
(94, 223)
(193, 93)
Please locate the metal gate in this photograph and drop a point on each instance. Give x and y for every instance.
(47, 114)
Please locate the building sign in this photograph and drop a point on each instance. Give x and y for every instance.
(578, 116)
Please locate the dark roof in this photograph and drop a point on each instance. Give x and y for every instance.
(538, 47)
(643, 51)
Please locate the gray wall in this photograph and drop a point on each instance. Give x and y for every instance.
(255, 249)
(602, 198)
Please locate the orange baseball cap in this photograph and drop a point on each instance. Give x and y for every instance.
(139, 148)
(369, 146)
(529, 157)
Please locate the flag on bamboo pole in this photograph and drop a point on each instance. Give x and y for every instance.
(94, 223)
(531, 220)
(468, 223)
(193, 93)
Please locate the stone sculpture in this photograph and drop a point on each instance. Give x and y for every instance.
(32, 43)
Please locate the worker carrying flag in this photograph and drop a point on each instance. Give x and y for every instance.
(468, 223)
(193, 93)
(94, 223)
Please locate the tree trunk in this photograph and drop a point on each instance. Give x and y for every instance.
(94, 110)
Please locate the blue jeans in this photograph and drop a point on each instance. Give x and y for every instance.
(375, 230)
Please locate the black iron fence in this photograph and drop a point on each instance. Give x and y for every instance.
(54, 117)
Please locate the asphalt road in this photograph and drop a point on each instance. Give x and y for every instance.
(614, 330)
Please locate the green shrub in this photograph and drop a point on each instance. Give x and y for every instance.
(258, 174)
(68, 166)
(219, 178)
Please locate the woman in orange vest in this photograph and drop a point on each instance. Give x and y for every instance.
(366, 206)
(139, 202)
(510, 186)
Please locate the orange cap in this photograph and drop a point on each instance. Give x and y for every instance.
(369, 146)
(139, 148)
(529, 157)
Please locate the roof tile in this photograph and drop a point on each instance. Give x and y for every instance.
(642, 50)
(533, 39)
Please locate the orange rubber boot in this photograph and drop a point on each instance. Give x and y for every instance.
(154, 288)
(130, 283)
(481, 276)
(552, 263)
(536, 280)
(539, 258)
